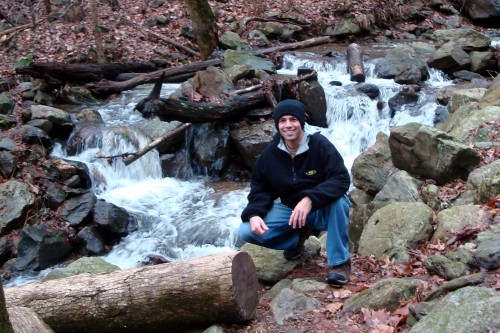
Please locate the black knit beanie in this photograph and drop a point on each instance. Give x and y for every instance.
(290, 107)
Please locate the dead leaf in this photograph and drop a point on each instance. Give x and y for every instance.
(334, 307)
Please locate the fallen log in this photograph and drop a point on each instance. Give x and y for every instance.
(295, 46)
(25, 320)
(355, 63)
(62, 73)
(168, 297)
(130, 158)
(201, 112)
(106, 87)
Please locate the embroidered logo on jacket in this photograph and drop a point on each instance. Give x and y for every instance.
(310, 172)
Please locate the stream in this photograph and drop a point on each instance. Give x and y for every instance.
(183, 219)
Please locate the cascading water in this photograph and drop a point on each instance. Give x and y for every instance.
(181, 219)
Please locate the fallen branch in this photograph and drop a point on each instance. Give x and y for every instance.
(106, 87)
(296, 45)
(165, 39)
(135, 156)
(15, 29)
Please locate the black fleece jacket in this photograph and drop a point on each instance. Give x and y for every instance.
(318, 173)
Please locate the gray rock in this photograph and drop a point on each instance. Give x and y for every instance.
(450, 221)
(90, 265)
(270, 264)
(485, 181)
(474, 310)
(488, 250)
(387, 294)
(430, 153)
(466, 38)
(233, 41)
(251, 140)
(371, 169)
(400, 187)
(398, 60)
(395, 228)
(289, 303)
(16, 200)
(449, 57)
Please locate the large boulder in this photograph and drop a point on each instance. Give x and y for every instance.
(483, 12)
(467, 310)
(400, 187)
(485, 181)
(430, 153)
(40, 247)
(452, 220)
(449, 58)
(398, 60)
(371, 169)
(395, 228)
(251, 140)
(466, 38)
(387, 294)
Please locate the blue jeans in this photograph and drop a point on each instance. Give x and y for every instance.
(334, 218)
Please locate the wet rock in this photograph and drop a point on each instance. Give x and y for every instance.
(251, 140)
(312, 95)
(398, 60)
(77, 210)
(41, 247)
(91, 240)
(369, 90)
(113, 219)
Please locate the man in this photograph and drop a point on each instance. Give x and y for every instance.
(306, 172)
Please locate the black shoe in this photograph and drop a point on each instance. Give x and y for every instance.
(339, 275)
(296, 252)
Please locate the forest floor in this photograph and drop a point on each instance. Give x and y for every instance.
(126, 42)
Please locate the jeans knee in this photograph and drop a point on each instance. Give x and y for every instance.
(244, 232)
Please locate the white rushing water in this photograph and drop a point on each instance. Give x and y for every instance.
(181, 219)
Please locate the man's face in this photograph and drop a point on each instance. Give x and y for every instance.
(290, 129)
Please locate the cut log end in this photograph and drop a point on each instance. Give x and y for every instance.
(245, 284)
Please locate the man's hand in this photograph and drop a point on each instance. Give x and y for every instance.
(300, 212)
(257, 225)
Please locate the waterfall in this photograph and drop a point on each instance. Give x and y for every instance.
(181, 219)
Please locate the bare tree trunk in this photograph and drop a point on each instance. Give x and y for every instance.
(97, 33)
(48, 7)
(204, 26)
(168, 297)
(5, 326)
